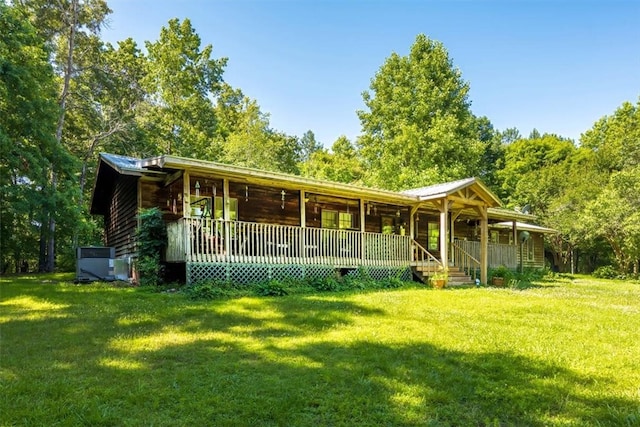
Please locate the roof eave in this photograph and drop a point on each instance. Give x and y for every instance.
(311, 184)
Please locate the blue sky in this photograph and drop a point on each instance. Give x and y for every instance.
(557, 66)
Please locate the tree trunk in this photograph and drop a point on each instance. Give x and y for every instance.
(73, 22)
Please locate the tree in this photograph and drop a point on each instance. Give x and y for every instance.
(308, 145)
(534, 170)
(341, 164)
(70, 28)
(254, 144)
(28, 148)
(616, 139)
(418, 128)
(492, 159)
(615, 216)
(183, 80)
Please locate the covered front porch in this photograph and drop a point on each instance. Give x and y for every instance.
(207, 241)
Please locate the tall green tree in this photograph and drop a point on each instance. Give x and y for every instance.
(28, 148)
(492, 159)
(183, 80)
(616, 139)
(534, 170)
(615, 216)
(70, 28)
(308, 145)
(418, 127)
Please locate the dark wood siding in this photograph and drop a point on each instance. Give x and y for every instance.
(265, 205)
(121, 219)
(316, 203)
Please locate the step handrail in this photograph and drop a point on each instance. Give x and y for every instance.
(425, 259)
(465, 260)
(422, 251)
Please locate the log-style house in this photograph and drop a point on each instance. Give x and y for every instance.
(236, 223)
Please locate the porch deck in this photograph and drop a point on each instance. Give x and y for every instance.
(206, 240)
(203, 240)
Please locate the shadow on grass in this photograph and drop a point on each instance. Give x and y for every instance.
(235, 363)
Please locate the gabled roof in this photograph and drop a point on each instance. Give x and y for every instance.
(439, 191)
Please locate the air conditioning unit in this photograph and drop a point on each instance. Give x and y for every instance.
(95, 263)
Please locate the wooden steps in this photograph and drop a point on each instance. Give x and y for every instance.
(457, 277)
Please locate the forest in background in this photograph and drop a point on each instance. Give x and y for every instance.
(66, 95)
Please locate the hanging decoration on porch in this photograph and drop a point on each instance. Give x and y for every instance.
(246, 193)
(283, 193)
(213, 190)
(197, 188)
(368, 208)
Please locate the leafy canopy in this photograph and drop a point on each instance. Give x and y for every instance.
(418, 127)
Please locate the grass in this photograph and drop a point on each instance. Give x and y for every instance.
(562, 353)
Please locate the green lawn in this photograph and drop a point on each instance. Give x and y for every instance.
(563, 353)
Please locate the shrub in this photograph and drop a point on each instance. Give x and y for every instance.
(328, 284)
(149, 271)
(606, 272)
(272, 288)
(152, 239)
(501, 271)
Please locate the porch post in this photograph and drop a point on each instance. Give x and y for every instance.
(514, 230)
(303, 209)
(413, 228)
(444, 244)
(186, 213)
(484, 244)
(186, 192)
(302, 244)
(363, 228)
(227, 213)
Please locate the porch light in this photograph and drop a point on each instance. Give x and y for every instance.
(197, 188)
(368, 208)
(398, 213)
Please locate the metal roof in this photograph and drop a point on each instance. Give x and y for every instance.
(160, 165)
(438, 191)
(122, 164)
(526, 227)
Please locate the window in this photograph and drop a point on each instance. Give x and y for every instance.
(495, 236)
(219, 209)
(529, 245)
(200, 206)
(433, 229)
(335, 219)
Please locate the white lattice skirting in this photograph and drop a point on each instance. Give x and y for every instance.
(256, 273)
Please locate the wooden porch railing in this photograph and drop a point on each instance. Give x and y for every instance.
(206, 240)
(464, 260)
(498, 253)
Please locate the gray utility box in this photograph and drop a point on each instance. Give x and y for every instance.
(95, 263)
